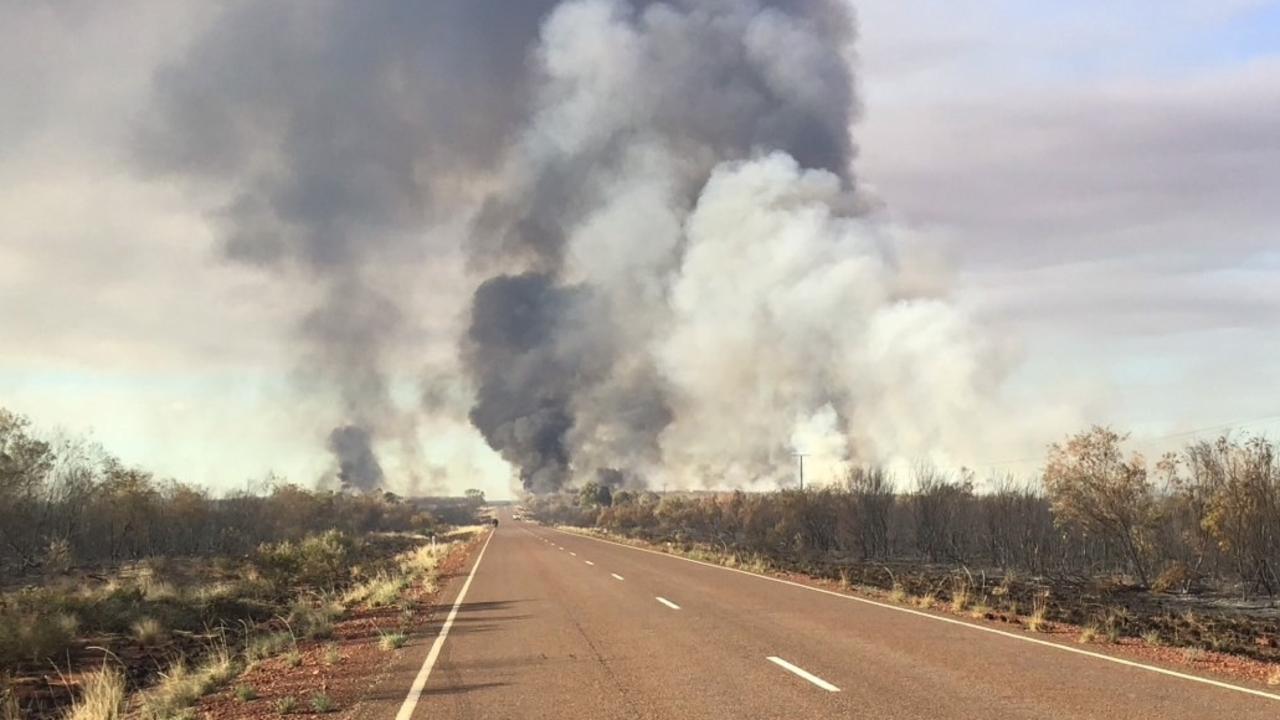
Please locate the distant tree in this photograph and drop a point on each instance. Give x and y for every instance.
(1235, 487)
(872, 494)
(595, 495)
(475, 495)
(1093, 487)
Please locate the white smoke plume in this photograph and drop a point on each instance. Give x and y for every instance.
(688, 177)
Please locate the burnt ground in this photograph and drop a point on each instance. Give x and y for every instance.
(1213, 632)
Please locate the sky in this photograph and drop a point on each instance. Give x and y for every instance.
(1098, 179)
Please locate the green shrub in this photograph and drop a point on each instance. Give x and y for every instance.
(321, 703)
(317, 561)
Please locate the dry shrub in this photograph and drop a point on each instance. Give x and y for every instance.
(1176, 577)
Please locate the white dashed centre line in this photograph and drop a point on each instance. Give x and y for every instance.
(573, 553)
(616, 576)
(803, 673)
(668, 603)
(588, 562)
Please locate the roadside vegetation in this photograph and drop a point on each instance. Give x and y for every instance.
(124, 591)
(1184, 552)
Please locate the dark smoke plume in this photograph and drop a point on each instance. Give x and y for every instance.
(527, 350)
(329, 135)
(358, 468)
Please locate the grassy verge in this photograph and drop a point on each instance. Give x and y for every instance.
(216, 616)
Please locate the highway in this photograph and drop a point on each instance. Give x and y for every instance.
(548, 624)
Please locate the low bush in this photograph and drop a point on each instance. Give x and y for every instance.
(321, 703)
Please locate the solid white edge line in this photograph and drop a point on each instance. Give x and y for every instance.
(420, 682)
(952, 621)
(668, 603)
(803, 673)
(616, 576)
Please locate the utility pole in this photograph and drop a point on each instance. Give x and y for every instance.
(801, 457)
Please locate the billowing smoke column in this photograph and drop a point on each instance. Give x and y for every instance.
(637, 105)
(675, 273)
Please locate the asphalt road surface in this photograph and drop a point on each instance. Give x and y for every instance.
(553, 625)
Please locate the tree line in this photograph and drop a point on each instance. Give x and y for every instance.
(67, 501)
(1208, 515)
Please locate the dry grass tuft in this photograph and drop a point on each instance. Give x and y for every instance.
(1088, 635)
(1274, 678)
(150, 632)
(392, 641)
(1037, 621)
(960, 599)
(980, 609)
(101, 696)
(898, 594)
(844, 582)
(182, 686)
(423, 559)
(927, 601)
(265, 646)
(332, 655)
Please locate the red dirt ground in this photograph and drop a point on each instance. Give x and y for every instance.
(347, 681)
